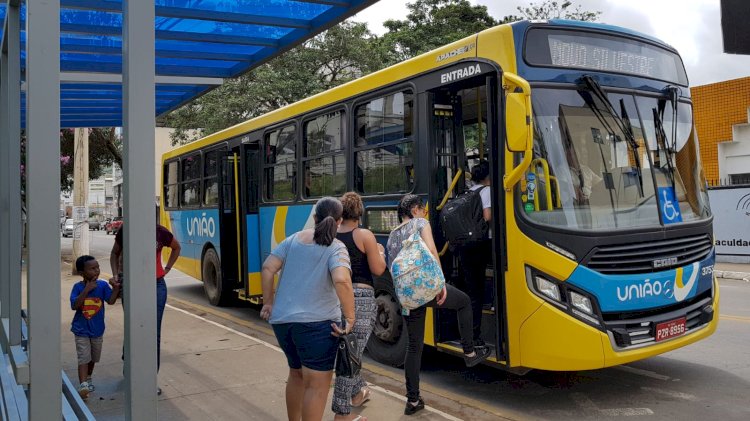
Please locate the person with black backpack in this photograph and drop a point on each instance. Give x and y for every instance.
(465, 221)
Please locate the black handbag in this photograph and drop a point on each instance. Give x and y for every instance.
(348, 364)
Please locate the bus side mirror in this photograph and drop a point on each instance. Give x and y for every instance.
(516, 121)
(518, 125)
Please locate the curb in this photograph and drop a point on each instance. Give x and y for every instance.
(742, 276)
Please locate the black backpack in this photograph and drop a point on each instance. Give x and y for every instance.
(462, 219)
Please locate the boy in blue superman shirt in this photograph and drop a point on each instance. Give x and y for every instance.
(87, 300)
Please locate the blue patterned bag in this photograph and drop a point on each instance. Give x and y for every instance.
(417, 276)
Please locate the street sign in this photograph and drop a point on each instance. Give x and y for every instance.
(80, 213)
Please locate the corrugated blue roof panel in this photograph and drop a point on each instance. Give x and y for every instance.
(195, 39)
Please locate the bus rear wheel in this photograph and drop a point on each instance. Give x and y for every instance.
(213, 281)
(387, 343)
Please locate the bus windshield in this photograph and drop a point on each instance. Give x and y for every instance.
(614, 161)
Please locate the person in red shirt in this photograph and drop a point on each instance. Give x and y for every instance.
(164, 238)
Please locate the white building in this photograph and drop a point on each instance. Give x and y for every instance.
(734, 156)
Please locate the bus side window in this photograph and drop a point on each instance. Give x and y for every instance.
(280, 167)
(190, 185)
(170, 184)
(324, 161)
(384, 155)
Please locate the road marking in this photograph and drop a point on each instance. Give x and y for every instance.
(277, 349)
(590, 407)
(642, 372)
(671, 393)
(742, 319)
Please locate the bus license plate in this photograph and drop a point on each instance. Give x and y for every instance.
(670, 329)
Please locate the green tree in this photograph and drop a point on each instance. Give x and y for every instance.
(433, 23)
(549, 9)
(104, 150)
(339, 55)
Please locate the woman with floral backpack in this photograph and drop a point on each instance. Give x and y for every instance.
(411, 213)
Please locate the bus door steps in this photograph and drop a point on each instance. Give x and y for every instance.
(454, 347)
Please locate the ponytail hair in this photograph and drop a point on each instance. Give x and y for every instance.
(327, 212)
(406, 204)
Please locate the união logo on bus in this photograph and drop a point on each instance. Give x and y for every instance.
(201, 227)
(675, 289)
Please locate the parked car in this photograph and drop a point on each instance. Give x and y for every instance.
(68, 227)
(94, 224)
(113, 225)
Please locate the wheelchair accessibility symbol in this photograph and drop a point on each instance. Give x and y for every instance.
(670, 211)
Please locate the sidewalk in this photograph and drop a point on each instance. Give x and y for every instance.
(739, 271)
(208, 372)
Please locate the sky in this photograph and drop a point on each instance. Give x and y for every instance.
(693, 27)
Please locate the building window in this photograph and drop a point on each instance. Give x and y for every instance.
(324, 161)
(735, 179)
(191, 181)
(211, 178)
(280, 168)
(170, 184)
(384, 152)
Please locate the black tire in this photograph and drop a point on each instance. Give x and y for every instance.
(387, 343)
(216, 288)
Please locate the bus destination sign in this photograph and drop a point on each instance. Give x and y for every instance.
(576, 54)
(603, 53)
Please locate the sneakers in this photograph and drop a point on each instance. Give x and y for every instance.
(480, 354)
(83, 390)
(91, 384)
(413, 409)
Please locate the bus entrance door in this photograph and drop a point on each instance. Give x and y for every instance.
(461, 136)
(230, 226)
(250, 187)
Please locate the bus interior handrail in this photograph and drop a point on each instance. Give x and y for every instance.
(448, 193)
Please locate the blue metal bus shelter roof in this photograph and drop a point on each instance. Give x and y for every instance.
(198, 44)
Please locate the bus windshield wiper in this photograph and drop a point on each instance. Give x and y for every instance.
(662, 144)
(623, 124)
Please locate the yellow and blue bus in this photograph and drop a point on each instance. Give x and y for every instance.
(601, 227)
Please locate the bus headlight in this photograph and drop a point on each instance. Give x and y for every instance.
(581, 302)
(567, 298)
(547, 287)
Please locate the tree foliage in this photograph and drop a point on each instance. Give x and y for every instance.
(549, 9)
(104, 150)
(433, 23)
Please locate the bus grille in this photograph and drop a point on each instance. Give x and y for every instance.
(628, 333)
(654, 256)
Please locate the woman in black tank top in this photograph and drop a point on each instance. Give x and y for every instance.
(367, 259)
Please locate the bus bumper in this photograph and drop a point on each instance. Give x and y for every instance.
(553, 340)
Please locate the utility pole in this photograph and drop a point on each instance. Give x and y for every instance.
(80, 193)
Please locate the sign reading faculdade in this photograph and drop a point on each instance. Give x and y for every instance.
(731, 210)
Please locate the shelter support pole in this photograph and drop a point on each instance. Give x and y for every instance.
(4, 195)
(140, 224)
(43, 196)
(13, 163)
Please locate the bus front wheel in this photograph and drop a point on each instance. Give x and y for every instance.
(387, 343)
(213, 281)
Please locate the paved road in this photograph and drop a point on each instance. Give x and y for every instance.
(708, 380)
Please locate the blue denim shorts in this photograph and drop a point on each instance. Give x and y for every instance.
(307, 344)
